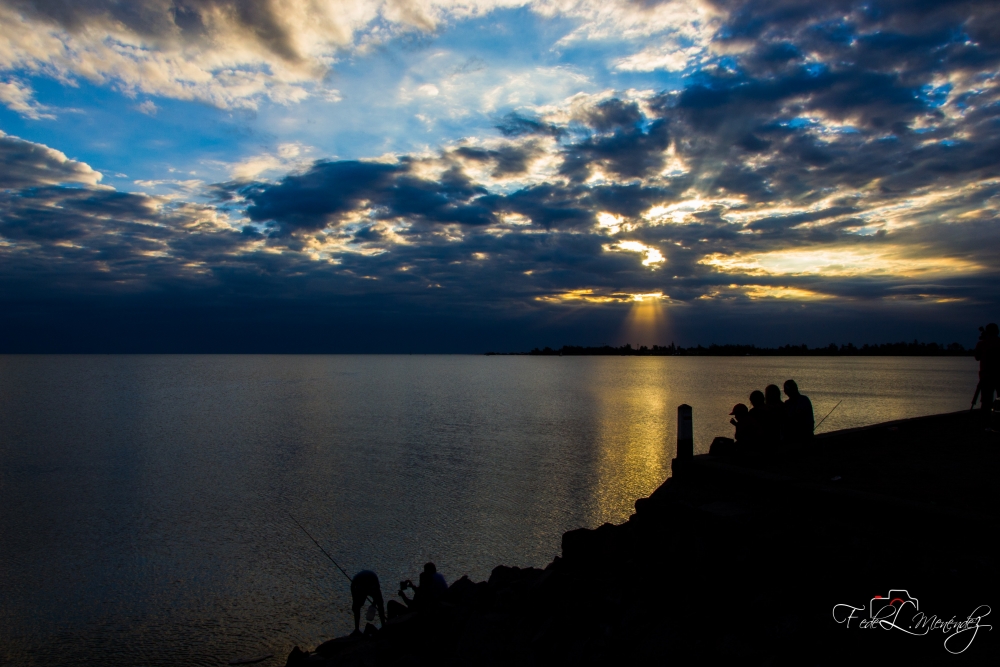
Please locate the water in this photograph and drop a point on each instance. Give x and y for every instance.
(144, 499)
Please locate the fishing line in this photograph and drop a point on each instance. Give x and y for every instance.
(325, 553)
(320, 547)
(824, 418)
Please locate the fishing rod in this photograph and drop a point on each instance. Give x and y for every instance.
(320, 547)
(368, 598)
(828, 414)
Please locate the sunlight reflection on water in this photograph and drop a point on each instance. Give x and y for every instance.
(144, 499)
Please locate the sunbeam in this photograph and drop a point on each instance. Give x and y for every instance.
(646, 322)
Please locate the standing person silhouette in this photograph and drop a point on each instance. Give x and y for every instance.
(988, 355)
(365, 584)
(799, 420)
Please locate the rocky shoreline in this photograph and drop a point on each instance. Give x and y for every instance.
(744, 560)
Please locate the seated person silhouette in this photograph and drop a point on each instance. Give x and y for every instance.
(742, 423)
(727, 446)
(756, 420)
(365, 584)
(427, 594)
(774, 415)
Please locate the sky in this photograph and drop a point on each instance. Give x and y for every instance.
(495, 175)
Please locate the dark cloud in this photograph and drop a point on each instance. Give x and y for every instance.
(612, 114)
(258, 20)
(323, 195)
(315, 199)
(825, 129)
(85, 239)
(515, 124)
(27, 164)
(509, 160)
(779, 223)
(629, 153)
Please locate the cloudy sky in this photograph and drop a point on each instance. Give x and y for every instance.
(429, 175)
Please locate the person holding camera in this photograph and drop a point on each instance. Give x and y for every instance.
(988, 355)
(429, 592)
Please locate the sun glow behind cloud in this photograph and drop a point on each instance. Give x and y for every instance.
(758, 292)
(592, 296)
(651, 257)
(857, 261)
(503, 154)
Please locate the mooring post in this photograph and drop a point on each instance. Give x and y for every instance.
(685, 432)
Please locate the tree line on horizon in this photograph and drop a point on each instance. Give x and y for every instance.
(901, 349)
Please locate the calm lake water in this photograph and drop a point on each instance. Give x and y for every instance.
(144, 500)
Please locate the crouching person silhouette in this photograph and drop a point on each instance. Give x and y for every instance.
(365, 584)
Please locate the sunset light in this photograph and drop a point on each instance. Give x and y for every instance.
(380, 163)
(877, 261)
(497, 332)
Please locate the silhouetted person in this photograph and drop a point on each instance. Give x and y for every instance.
(799, 421)
(742, 423)
(757, 419)
(774, 415)
(365, 584)
(722, 446)
(988, 355)
(428, 593)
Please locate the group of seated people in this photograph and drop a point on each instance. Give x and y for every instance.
(770, 423)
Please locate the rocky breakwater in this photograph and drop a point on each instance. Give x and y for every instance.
(744, 560)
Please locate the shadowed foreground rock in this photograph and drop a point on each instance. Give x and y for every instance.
(741, 561)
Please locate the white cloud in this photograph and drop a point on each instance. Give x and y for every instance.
(281, 50)
(535, 87)
(651, 255)
(288, 157)
(671, 58)
(691, 22)
(148, 108)
(173, 189)
(330, 95)
(857, 260)
(19, 97)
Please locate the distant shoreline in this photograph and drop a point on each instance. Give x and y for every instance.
(914, 349)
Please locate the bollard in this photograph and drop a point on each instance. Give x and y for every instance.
(685, 432)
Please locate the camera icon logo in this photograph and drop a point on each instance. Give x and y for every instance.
(896, 599)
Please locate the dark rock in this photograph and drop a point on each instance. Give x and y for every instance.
(297, 658)
(335, 647)
(722, 447)
(589, 545)
(732, 561)
(461, 592)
